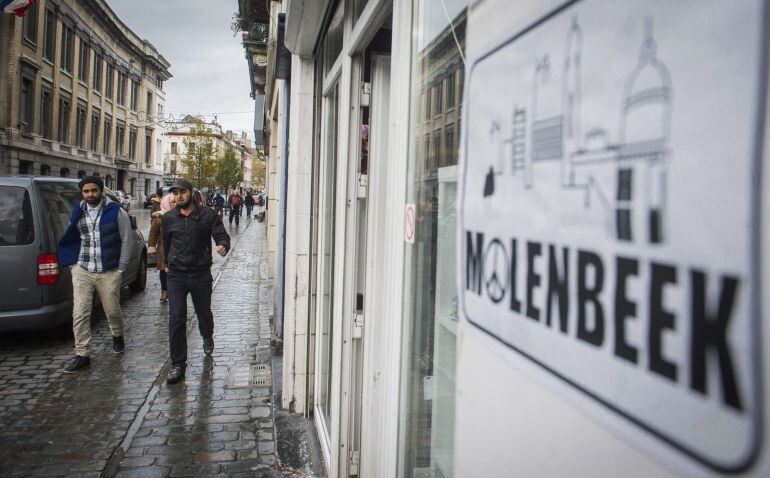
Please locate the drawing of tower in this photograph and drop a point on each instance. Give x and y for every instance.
(571, 101)
(547, 117)
(643, 156)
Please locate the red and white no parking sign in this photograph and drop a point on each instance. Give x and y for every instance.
(409, 223)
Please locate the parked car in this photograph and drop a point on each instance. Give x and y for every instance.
(34, 213)
(124, 199)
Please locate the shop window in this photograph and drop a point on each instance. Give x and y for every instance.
(333, 39)
(427, 438)
(46, 113)
(49, 40)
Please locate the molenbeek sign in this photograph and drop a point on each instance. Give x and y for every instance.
(608, 225)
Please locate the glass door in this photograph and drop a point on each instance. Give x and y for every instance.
(325, 308)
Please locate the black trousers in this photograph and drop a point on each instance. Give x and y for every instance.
(198, 285)
(235, 212)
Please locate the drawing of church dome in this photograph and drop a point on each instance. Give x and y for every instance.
(647, 98)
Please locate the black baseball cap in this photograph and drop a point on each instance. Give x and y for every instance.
(181, 184)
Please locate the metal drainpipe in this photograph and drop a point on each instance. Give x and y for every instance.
(279, 288)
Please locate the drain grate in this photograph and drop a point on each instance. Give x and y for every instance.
(249, 376)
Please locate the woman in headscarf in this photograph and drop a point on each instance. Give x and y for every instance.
(155, 241)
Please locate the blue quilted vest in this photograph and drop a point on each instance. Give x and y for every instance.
(68, 247)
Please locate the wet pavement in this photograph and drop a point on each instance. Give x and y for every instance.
(119, 418)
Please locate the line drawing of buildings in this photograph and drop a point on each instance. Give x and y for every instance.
(634, 203)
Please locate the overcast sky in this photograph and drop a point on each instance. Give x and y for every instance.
(207, 61)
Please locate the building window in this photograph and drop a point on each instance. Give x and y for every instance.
(49, 42)
(83, 61)
(46, 113)
(45, 170)
(450, 92)
(80, 126)
(121, 88)
(159, 83)
(147, 186)
(132, 186)
(27, 105)
(134, 94)
(431, 312)
(81, 174)
(174, 147)
(120, 139)
(29, 26)
(67, 48)
(157, 152)
(148, 111)
(148, 149)
(64, 173)
(132, 145)
(97, 84)
(109, 81)
(25, 167)
(95, 122)
(106, 138)
(64, 120)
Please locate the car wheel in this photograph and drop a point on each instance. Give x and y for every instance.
(140, 281)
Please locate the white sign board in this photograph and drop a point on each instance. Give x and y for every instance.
(608, 213)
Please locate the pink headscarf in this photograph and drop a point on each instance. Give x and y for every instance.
(165, 203)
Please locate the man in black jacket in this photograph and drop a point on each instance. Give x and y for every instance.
(187, 233)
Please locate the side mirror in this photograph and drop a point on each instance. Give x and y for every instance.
(133, 222)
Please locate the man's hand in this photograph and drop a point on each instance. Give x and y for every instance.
(221, 250)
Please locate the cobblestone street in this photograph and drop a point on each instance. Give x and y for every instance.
(119, 418)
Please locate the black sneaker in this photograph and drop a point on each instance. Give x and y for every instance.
(118, 345)
(175, 375)
(208, 346)
(78, 364)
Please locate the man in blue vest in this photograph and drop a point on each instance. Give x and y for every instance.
(97, 244)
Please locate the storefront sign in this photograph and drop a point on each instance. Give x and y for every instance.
(608, 226)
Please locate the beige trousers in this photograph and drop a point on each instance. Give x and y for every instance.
(107, 285)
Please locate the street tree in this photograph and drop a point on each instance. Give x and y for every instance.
(199, 161)
(229, 172)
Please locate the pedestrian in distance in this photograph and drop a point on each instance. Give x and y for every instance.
(249, 201)
(219, 204)
(97, 244)
(187, 233)
(155, 242)
(235, 208)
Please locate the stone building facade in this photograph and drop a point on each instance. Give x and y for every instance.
(81, 94)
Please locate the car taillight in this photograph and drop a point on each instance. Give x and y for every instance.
(47, 269)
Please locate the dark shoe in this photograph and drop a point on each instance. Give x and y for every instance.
(208, 346)
(78, 364)
(118, 345)
(175, 375)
